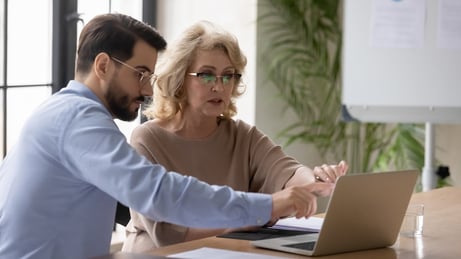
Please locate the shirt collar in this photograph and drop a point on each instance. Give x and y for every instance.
(81, 89)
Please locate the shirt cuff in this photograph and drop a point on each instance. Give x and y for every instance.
(260, 208)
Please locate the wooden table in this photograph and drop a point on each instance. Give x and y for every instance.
(441, 237)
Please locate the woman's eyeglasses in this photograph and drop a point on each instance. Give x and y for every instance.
(144, 76)
(210, 79)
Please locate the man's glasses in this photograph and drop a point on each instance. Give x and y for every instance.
(210, 79)
(144, 76)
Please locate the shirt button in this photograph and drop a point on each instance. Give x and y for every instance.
(259, 222)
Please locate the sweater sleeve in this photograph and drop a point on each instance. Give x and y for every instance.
(270, 166)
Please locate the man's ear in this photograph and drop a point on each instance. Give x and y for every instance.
(102, 66)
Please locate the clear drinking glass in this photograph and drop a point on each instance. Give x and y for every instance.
(412, 225)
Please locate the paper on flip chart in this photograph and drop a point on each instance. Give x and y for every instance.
(310, 224)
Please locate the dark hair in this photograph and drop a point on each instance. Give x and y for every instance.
(116, 35)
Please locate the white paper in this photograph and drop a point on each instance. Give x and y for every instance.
(449, 24)
(310, 224)
(398, 23)
(206, 252)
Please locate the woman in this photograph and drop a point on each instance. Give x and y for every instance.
(191, 130)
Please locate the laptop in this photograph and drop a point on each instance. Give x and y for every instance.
(365, 211)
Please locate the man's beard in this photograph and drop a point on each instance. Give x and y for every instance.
(119, 103)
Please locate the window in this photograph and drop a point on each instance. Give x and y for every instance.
(26, 58)
(25, 63)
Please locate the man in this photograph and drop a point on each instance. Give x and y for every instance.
(60, 184)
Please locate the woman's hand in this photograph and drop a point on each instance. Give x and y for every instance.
(329, 173)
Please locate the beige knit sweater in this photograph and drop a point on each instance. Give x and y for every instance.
(236, 154)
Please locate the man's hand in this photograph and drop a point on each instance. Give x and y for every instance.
(299, 201)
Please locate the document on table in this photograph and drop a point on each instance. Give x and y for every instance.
(207, 252)
(312, 224)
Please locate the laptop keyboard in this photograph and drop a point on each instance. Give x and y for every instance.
(304, 245)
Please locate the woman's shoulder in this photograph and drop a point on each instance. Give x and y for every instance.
(150, 127)
(241, 127)
(235, 123)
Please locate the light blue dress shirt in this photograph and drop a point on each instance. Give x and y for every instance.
(60, 183)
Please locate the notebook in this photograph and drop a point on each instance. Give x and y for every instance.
(365, 211)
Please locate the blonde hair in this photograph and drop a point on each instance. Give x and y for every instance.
(169, 94)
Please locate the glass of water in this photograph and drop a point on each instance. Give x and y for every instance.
(412, 225)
